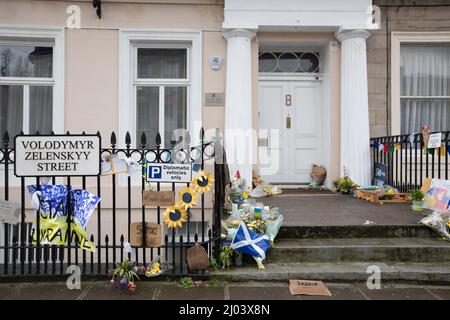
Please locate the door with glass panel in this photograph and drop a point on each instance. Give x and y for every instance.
(161, 87)
(26, 87)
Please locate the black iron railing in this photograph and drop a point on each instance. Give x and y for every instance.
(20, 256)
(409, 161)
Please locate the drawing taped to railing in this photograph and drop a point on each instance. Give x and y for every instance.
(104, 225)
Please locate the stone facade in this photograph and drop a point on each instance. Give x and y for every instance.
(396, 15)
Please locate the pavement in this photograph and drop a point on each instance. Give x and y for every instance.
(339, 210)
(216, 290)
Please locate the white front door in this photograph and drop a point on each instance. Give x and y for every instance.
(290, 124)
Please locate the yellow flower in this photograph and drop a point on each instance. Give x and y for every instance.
(245, 195)
(188, 198)
(174, 216)
(202, 183)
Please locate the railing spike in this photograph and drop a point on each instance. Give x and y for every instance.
(52, 133)
(143, 139)
(158, 140)
(67, 132)
(127, 139)
(113, 139)
(37, 132)
(202, 134)
(6, 138)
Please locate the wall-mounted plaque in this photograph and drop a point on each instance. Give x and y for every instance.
(214, 99)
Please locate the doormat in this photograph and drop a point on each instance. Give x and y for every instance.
(306, 191)
(308, 287)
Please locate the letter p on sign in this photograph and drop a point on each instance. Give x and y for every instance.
(154, 172)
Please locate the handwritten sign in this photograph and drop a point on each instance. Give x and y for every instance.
(58, 155)
(152, 234)
(308, 287)
(158, 198)
(434, 140)
(381, 174)
(169, 172)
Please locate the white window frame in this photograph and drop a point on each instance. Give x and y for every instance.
(397, 39)
(129, 40)
(53, 37)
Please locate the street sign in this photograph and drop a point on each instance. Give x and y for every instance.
(169, 172)
(57, 155)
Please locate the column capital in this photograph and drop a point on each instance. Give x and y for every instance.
(246, 33)
(349, 34)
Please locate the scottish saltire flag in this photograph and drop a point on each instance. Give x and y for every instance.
(246, 241)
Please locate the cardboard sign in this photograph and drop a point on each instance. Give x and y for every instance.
(308, 287)
(197, 258)
(381, 174)
(152, 234)
(9, 212)
(158, 198)
(169, 172)
(434, 140)
(57, 155)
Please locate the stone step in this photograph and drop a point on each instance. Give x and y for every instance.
(436, 273)
(362, 231)
(360, 250)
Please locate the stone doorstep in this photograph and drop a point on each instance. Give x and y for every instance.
(359, 250)
(429, 273)
(358, 231)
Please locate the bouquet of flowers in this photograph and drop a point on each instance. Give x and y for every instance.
(123, 277)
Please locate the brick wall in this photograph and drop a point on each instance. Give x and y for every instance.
(397, 15)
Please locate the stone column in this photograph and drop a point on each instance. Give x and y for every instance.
(355, 144)
(239, 136)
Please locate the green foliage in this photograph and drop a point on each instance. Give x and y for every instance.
(215, 283)
(125, 269)
(416, 195)
(226, 257)
(186, 282)
(345, 185)
(213, 264)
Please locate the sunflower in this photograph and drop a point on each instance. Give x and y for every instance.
(174, 216)
(203, 182)
(188, 198)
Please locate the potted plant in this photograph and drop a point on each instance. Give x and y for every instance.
(345, 185)
(226, 257)
(417, 197)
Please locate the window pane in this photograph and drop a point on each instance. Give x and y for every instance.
(432, 112)
(11, 109)
(41, 109)
(147, 115)
(162, 63)
(175, 111)
(26, 61)
(425, 70)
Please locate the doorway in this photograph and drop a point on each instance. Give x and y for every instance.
(291, 123)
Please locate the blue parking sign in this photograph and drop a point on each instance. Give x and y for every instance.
(154, 172)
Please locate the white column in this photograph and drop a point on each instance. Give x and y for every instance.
(239, 136)
(355, 148)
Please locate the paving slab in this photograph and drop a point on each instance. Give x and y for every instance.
(339, 210)
(443, 294)
(104, 291)
(338, 292)
(40, 291)
(261, 293)
(175, 292)
(392, 293)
